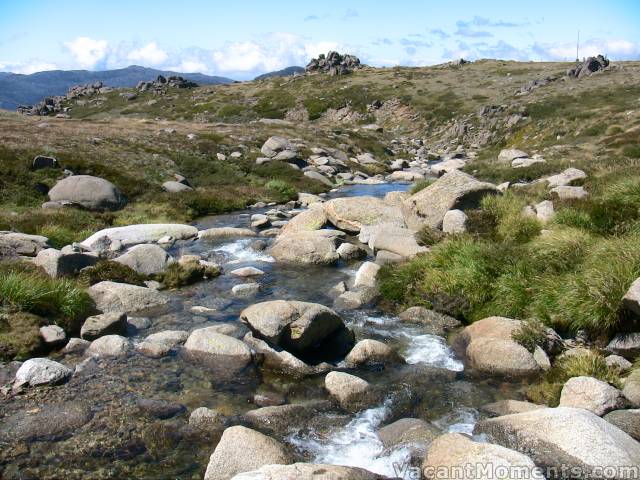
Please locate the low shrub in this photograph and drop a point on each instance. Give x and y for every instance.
(282, 188)
(428, 236)
(182, 274)
(20, 335)
(530, 335)
(110, 271)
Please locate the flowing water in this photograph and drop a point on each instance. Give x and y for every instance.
(120, 442)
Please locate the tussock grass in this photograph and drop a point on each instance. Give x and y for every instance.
(182, 274)
(19, 335)
(108, 270)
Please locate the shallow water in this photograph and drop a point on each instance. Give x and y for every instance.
(120, 442)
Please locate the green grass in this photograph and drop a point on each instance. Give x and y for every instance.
(589, 365)
(107, 270)
(420, 185)
(530, 335)
(26, 289)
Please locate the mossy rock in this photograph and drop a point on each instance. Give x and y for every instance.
(20, 335)
(182, 274)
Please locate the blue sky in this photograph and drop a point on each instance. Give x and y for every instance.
(241, 39)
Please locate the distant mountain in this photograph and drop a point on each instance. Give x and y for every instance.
(285, 72)
(17, 89)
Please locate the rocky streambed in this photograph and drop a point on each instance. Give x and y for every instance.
(156, 405)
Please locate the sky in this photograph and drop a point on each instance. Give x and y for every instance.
(244, 38)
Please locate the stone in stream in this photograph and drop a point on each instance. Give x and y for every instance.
(53, 335)
(372, 352)
(42, 371)
(207, 420)
(352, 213)
(308, 471)
(160, 408)
(92, 193)
(564, 438)
(351, 392)
(280, 419)
(240, 450)
(225, 232)
(306, 247)
(591, 394)
(367, 274)
(125, 237)
(508, 407)
(76, 346)
(215, 349)
(411, 433)
(349, 251)
(297, 326)
(245, 289)
(311, 219)
(453, 191)
(391, 238)
(432, 322)
(104, 324)
(122, 297)
(114, 346)
(246, 272)
(458, 455)
(147, 259)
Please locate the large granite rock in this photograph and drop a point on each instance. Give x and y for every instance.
(306, 248)
(351, 392)
(122, 297)
(42, 371)
(209, 346)
(626, 420)
(110, 346)
(352, 213)
(591, 394)
(125, 237)
(104, 324)
(453, 191)
(314, 218)
(58, 263)
(391, 238)
(146, 259)
(308, 471)
(22, 243)
(372, 352)
(565, 438)
(93, 193)
(241, 450)
(457, 456)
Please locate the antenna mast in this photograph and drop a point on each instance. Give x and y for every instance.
(578, 48)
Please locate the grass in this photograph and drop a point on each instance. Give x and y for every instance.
(588, 364)
(420, 185)
(530, 335)
(27, 289)
(20, 335)
(107, 270)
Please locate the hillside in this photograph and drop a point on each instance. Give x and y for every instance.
(18, 89)
(285, 72)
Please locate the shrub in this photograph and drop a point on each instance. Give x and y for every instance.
(511, 224)
(282, 188)
(59, 235)
(30, 290)
(428, 236)
(182, 274)
(19, 335)
(108, 270)
(530, 335)
(588, 364)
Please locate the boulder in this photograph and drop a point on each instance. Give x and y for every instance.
(453, 191)
(351, 392)
(307, 248)
(308, 471)
(53, 335)
(75, 346)
(354, 299)
(246, 272)
(93, 193)
(570, 193)
(42, 161)
(564, 438)
(246, 289)
(411, 433)
(508, 407)
(273, 145)
(372, 352)
(208, 345)
(42, 371)
(405, 176)
(225, 232)
(207, 420)
(457, 456)
(122, 297)
(544, 211)
(352, 213)
(391, 238)
(432, 322)
(631, 302)
(104, 324)
(125, 237)
(114, 346)
(311, 219)
(631, 388)
(454, 221)
(319, 178)
(240, 450)
(527, 162)
(281, 419)
(618, 362)
(508, 155)
(23, 244)
(296, 326)
(146, 259)
(59, 263)
(565, 178)
(626, 420)
(349, 251)
(307, 199)
(366, 275)
(175, 187)
(280, 361)
(591, 394)
(627, 345)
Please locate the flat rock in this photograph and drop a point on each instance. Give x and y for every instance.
(307, 248)
(392, 238)
(104, 324)
(42, 371)
(146, 259)
(209, 345)
(565, 178)
(352, 213)
(122, 297)
(508, 407)
(160, 408)
(175, 187)
(22, 243)
(47, 422)
(246, 272)
(225, 232)
(308, 471)
(207, 420)
(137, 234)
(114, 346)
(351, 392)
(310, 220)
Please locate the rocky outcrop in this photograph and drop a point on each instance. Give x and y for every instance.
(351, 214)
(241, 450)
(89, 192)
(591, 394)
(117, 238)
(333, 63)
(565, 438)
(454, 452)
(122, 297)
(453, 191)
(54, 105)
(589, 66)
(160, 84)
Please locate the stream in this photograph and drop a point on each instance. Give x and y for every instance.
(119, 442)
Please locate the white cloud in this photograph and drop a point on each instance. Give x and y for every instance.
(616, 49)
(87, 52)
(27, 68)
(150, 54)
